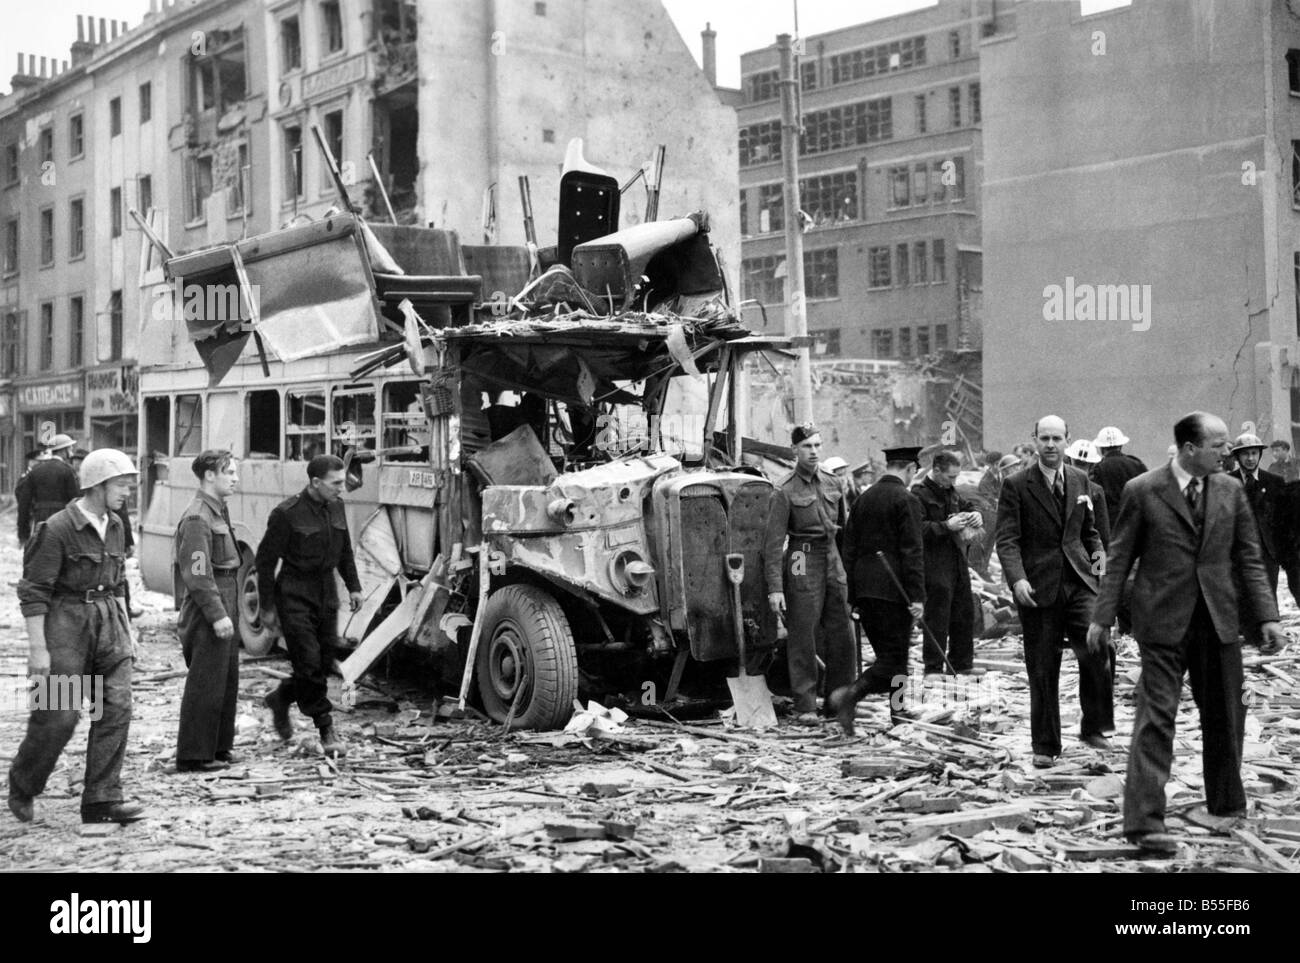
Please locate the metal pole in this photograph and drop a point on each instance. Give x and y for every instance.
(796, 319)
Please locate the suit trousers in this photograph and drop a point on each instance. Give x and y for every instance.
(207, 724)
(889, 630)
(1047, 630)
(950, 616)
(1216, 678)
(817, 617)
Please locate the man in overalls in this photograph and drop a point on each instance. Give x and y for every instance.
(806, 582)
(73, 598)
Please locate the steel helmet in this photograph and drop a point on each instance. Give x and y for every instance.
(834, 463)
(1083, 450)
(102, 464)
(1110, 437)
(1247, 441)
(60, 442)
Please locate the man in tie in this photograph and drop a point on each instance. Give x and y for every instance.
(1052, 557)
(1264, 491)
(1192, 529)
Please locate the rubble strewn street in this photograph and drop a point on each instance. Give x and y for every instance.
(953, 792)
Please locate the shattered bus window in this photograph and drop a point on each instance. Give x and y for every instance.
(405, 424)
(264, 424)
(354, 418)
(189, 424)
(304, 427)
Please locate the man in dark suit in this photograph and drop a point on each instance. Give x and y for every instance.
(1051, 556)
(949, 608)
(886, 518)
(1192, 530)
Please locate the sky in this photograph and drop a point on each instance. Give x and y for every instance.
(47, 28)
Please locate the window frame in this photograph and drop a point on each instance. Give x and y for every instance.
(115, 211)
(76, 330)
(144, 101)
(285, 67)
(327, 24)
(115, 116)
(44, 217)
(77, 136)
(45, 335)
(200, 400)
(76, 231)
(294, 431)
(879, 259)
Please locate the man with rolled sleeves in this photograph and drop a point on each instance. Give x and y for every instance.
(72, 595)
(885, 519)
(307, 537)
(205, 571)
(807, 580)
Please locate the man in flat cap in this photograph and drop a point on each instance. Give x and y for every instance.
(806, 581)
(883, 551)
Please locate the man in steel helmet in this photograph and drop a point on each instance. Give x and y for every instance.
(73, 598)
(1264, 491)
(48, 487)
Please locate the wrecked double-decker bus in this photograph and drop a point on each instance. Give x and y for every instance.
(543, 489)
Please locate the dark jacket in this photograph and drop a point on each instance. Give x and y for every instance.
(1112, 474)
(1100, 512)
(205, 552)
(885, 518)
(311, 538)
(1267, 500)
(811, 508)
(945, 552)
(1155, 526)
(44, 490)
(1036, 544)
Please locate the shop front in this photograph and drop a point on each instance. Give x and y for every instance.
(113, 408)
(46, 408)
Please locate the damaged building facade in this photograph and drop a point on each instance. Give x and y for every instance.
(1140, 218)
(890, 171)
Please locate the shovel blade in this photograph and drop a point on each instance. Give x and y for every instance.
(753, 701)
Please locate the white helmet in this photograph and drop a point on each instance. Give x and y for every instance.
(102, 464)
(1247, 441)
(1083, 450)
(1110, 437)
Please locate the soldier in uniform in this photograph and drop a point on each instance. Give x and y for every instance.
(47, 487)
(206, 570)
(72, 596)
(807, 580)
(886, 518)
(308, 533)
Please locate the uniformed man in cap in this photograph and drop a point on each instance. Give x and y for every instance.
(807, 580)
(206, 566)
(47, 488)
(72, 595)
(1264, 491)
(886, 519)
(308, 533)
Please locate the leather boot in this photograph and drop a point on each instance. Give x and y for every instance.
(330, 743)
(279, 714)
(844, 701)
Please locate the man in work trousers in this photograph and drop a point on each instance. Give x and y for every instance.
(1264, 492)
(1192, 530)
(47, 488)
(949, 608)
(72, 596)
(1052, 556)
(206, 570)
(885, 518)
(307, 536)
(807, 581)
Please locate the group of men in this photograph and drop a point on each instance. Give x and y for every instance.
(73, 595)
(1187, 536)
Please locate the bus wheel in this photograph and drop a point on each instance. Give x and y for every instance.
(527, 645)
(256, 637)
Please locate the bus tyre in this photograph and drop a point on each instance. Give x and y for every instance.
(527, 642)
(256, 637)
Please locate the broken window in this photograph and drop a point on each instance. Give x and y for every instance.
(760, 143)
(762, 86)
(47, 145)
(405, 424)
(236, 182)
(290, 45)
(396, 130)
(217, 74)
(397, 20)
(304, 427)
(878, 263)
(332, 128)
(922, 341)
(830, 198)
(189, 425)
(333, 25)
(354, 418)
(771, 208)
(821, 273)
(828, 341)
(880, 59)
(293, 161)
(847, 126)
(263, 424)
(882, 343)
(199, 177)
(759, 281)
(808, 75)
